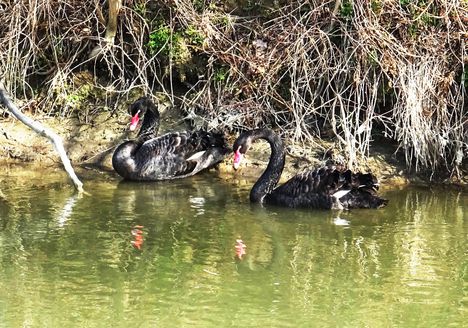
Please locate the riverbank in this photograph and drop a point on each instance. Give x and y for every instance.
(90, 145)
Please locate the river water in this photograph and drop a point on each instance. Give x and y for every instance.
(196, 253)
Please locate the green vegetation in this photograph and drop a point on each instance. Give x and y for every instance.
(162, 40)
(221, 74)
(173, 45)
(346, 9)
(376, 6)
(193, 36)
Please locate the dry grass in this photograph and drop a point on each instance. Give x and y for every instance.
(398, 67)
(311, 68)
(44, 44)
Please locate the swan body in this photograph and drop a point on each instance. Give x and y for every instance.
(321, 188)
(170, 156)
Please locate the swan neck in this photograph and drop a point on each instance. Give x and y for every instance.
(270, 177)
(150, 126)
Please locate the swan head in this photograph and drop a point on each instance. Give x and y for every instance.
(138, 109)
(245, 140)
(240, 147)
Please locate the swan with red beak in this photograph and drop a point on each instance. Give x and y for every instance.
(174, 155)
(320, 188)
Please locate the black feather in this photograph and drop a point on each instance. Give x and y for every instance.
(170, 156)
(312, 189)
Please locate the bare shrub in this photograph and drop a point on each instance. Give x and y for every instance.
(44, 44)
(394, 64)
(314, 69)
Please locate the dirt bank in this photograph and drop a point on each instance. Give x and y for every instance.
(90, 145)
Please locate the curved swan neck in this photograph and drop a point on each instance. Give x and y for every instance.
(150, 126)
(270, 177)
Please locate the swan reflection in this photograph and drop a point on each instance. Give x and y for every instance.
(340, 222)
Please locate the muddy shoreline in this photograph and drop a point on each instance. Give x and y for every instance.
(90, 146)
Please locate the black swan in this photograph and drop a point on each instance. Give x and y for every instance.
(170, 156)
(322, 188)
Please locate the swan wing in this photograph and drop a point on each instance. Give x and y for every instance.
(321, 180)
(329, 189)
(311, 189)
(179, 154)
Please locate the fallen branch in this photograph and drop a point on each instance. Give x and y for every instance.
(40, 129)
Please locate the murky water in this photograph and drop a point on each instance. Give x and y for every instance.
(169, 254)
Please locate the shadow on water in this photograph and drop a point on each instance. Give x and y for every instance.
(167, 254)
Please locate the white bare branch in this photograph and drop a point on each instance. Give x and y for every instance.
(40, 129)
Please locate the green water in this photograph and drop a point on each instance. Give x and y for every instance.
(68, 261)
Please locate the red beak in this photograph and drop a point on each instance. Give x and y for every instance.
(237, 159)
(134, 121)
